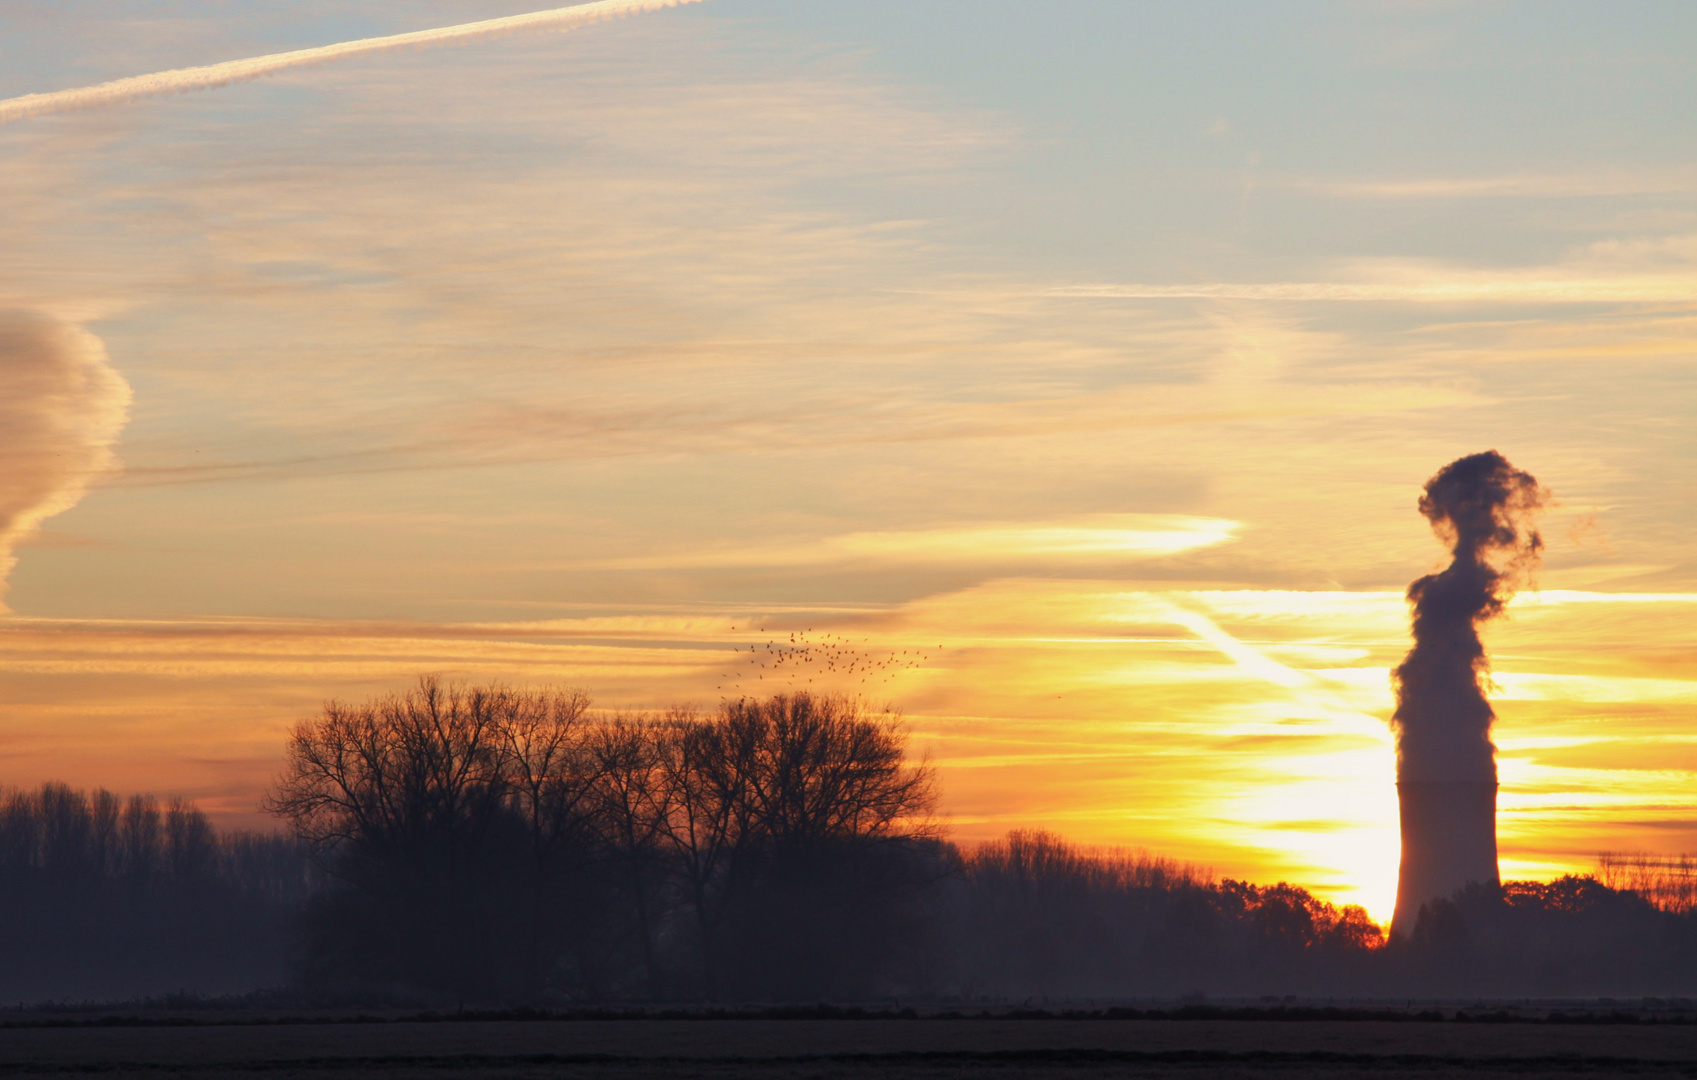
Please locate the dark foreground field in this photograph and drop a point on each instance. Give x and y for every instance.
(828, 1049)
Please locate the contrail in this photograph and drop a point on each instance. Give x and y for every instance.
(185, 80)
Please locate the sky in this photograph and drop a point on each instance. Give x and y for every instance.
(1069, 371)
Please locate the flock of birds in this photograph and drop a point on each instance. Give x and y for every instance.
(831, 659)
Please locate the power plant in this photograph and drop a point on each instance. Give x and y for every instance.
(1446, 763)
(1449, 840)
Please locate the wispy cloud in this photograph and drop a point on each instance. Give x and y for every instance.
(1102, 537)
(211, 76)
(1459, 290)
(1554, 185)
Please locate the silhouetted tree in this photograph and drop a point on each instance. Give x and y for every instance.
(551, 778)
(777, 841)
(707, 828)
(1035, 916)
(831, 821)
(632, 815)
(1572, 937)
(104, 897)
(411, 802)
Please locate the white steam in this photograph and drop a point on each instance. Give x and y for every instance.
(61, 409)
(183, 80)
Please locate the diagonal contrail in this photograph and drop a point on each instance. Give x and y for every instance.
(184, 80)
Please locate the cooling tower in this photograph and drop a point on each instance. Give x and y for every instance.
(1483, 508)
(1449, 839)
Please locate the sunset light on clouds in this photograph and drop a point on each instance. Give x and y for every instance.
(1068, 374)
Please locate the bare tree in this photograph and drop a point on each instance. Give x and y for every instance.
(551, 777)
(551, 774)
(633, 814)
(407, 800)
(792, 819)
(486, 836)
(828, 769)
(386, 775)
(704, 766)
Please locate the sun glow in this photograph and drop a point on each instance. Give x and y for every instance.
(1240, 729)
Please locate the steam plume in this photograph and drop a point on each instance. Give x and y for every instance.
(1482, 506)
(61, 409)
(183, 80)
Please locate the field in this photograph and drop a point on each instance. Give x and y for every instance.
(844, 1048)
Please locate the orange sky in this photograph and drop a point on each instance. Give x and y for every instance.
(1242, 729)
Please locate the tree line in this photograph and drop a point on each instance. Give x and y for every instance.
(494, 845)
(109, 898)
(505, 844)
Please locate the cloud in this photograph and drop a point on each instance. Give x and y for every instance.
(61, 409)
(1592, 184)
(1097, 538)
(1635, 289)
(525, 307)
(1656, 270)
(211, 76)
